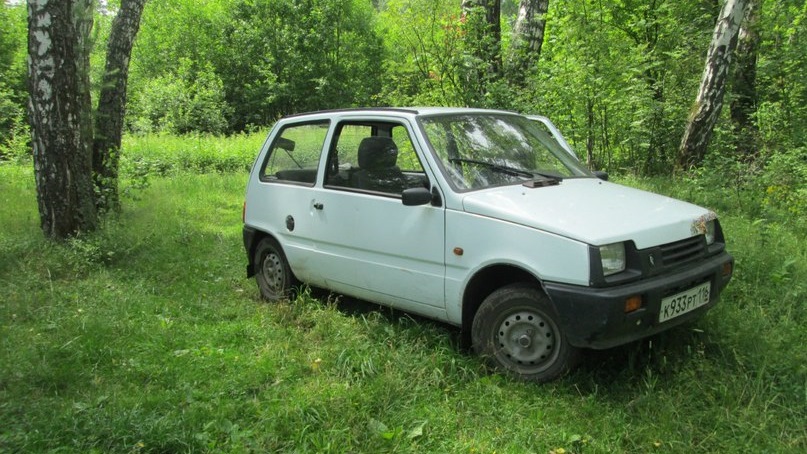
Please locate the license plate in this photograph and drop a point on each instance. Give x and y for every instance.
(684, 302)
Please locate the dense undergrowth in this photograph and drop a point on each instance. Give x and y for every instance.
(165, 154)
(147, 337)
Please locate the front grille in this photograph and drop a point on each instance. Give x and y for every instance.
(683, 251)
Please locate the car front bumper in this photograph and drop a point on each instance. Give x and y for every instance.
(596, 318)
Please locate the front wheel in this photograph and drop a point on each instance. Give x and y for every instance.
(273, 274)
(515, 330)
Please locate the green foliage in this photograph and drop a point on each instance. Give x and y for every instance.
(300, 55)
(424, 52)
(145, 155)
(190, 100)
(785, 183)
(783, 57)
(773, 187)
(14, 135)
(146, 336)
(250, 62)
(13, 46)
(13, 128)
(619, 78)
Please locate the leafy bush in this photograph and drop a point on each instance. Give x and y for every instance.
(785, 182)
(182, 102)
(14, 135)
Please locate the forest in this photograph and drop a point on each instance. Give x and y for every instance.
(619, 77)
(141, 333)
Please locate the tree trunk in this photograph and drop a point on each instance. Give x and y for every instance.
(709, 101)
(527, 39)
(744, 86)
(112, 104)
(58, 83)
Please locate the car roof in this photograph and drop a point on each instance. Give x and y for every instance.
(406, 111)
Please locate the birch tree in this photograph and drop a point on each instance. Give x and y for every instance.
(709, 101)
(58, 85)
(527, 39)
(60, 112)
(112, 104)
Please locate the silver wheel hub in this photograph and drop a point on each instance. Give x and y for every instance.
(273, 271)
(527, 339)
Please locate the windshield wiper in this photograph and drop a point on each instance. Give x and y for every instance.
(535, 179)
(496, 167)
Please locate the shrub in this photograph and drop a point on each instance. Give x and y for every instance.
(14, 135)
(186, 101)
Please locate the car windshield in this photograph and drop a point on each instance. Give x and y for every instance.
(477, 151)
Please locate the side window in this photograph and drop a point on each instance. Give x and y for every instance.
(374, 157)
(295, 154)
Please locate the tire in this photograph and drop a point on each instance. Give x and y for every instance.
(272, 272)
(516, 330)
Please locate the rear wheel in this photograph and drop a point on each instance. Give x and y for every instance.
(516, 330)
(273, 274)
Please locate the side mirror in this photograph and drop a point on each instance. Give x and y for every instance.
(416, 196)
(601, 174)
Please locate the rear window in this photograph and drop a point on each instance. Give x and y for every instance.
(295, 152)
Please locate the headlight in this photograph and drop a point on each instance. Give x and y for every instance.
(710, 232)
(613, 258)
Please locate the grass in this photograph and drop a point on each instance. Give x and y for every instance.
(147, 337)
(163, 154)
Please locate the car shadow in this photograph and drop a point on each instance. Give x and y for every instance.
(355, 307)
(597, 371)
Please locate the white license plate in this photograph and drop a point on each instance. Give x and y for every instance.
(684, 302)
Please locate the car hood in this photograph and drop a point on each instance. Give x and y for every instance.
(592, 211)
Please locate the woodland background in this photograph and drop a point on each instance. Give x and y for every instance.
(145, 336)
(619, 77)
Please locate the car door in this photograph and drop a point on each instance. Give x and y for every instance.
(369, 244)
(278, 200)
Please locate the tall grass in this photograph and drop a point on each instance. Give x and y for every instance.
(147, 337)
(165, 154)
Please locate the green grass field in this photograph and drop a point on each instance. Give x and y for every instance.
(147, 337)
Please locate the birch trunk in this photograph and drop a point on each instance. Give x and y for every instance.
(527, 39)
(58, 105)
(112, 104)
(709, 101)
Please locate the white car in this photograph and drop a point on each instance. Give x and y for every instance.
(482, 219)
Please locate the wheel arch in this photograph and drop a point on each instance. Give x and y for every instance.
(483, 283)
(252, 238)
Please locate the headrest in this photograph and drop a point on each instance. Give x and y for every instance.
(377, 153)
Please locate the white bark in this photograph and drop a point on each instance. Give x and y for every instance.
(709, 101)
(58, 104)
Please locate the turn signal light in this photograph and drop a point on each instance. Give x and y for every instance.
(727, 269)
(633, 303)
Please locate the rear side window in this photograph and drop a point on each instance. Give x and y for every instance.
(295, 154)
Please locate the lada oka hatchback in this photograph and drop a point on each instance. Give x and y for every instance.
(482, 219)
